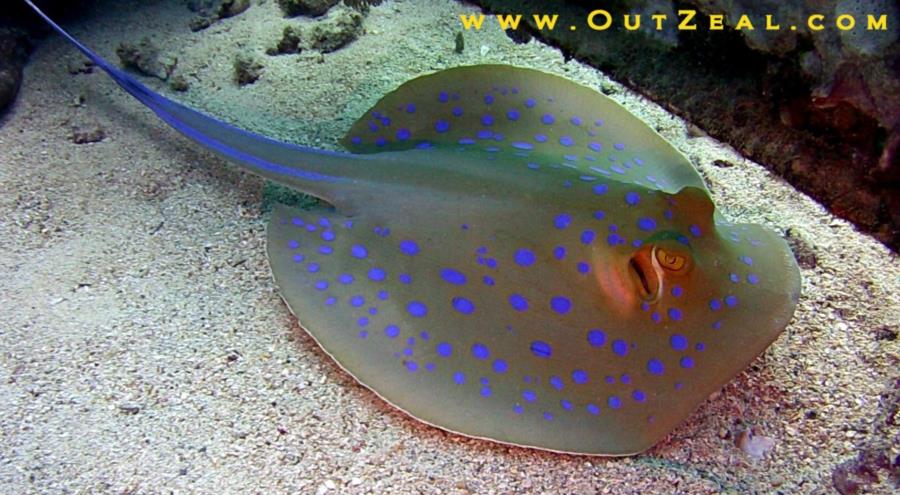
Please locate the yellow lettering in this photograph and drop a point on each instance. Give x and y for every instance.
(472, 20)
(636, 25)
(845, 22)
(545, 21)
(599, 27)
(815, 22)
(509, 21)
(716, 22)
(744, 23)
(879, 24)
(659, 18)
(769, 25)
(686, 17)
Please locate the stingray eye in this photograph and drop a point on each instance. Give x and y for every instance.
(671, 261)
(647, 277)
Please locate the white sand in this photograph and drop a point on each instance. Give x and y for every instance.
(143, 347)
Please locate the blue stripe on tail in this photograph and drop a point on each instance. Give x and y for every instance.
(229, 141)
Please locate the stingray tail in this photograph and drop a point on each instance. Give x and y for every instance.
(308, 169)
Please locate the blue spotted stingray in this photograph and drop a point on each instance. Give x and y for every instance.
(511, 256)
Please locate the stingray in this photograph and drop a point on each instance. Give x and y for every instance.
(511, 256)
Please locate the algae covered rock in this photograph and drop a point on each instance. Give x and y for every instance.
(145, 58)
(340, 28)
(246, 70)
(313, 8)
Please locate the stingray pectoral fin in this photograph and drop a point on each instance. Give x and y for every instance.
(543, 118)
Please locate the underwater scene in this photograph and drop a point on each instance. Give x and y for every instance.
(324, 246)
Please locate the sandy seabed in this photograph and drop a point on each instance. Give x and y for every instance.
(144, 348)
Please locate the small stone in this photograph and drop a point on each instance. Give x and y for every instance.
(179, 83)
(356, 481)
(88, 133)
(145, 58)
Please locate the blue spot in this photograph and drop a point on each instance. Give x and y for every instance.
(562, 221)
(541, 349)
(410, 108)
(734, 277)
(518, 302)
(600, 189)
(596, 337)
(330, 301)
(409, 247)
(614, 402)
(625, 378)
(363, 334)
(559, 252)
(530, 103)
(380, 141)
(452, 276)
(695, 230)
(357, 301)
(500, 366)
(383, 295)
(392, 331)
(587, 237)
(599, 215)
(377, 274)
(457, 111)
(686, 362)
(556, 382)
(595, 146)
(327, 236)
(444, 349)
(512, 115)
(700, 346)
(753, 278)
(580, 377)
(677, 291)
(655, 366)
(675, 314)
(541, 138)
(345, 278)
(656, 317)
(620, 347)
(325, 249)
(566, 404)
(443, 97)
(715, 304)
(548, 118)
(488, 99)
(566, 141)
(529, 395)
(575, 120)
(619, 146)
(638, 395)
(632, 198)
(646, 224)
(412, 366)
(746, 260)
(593, 409)
(322, 285)
(459, 378)
(522, 145)
(403, 134)
(429, 366)
(678, 342)
(313, 267)
(560, 304)
(417, 309)
(359, 251)
(518, 409)
(524, 257)
(480, 351)
(486, 120)
(731, 301)
(463, 305)
(488, 280)
(583, 267)
(485, 391)
(442, 126)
